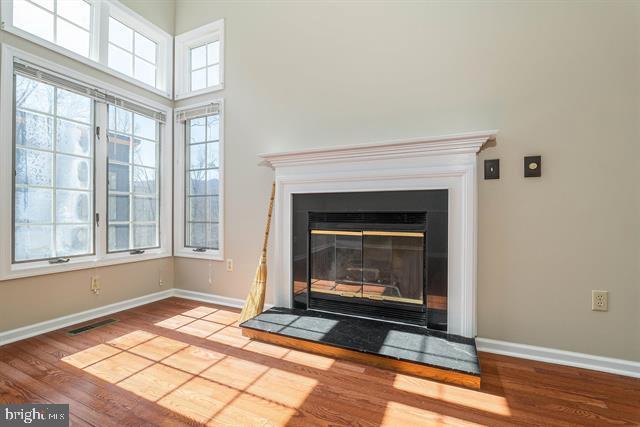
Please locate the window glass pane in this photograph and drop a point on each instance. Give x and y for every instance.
(198, 79)
(212, 181)
(73, 138)
(34, 95)
(33, 205)
(33, 242)
(33, 167)
(213, 155)
(213, 53)
(118, 237)
(73, 206)
(119, 208)
(60, 220)
(73, 172)
(144, 152)
(144, 180)
(144, 127)
(76, 11)
(145, 72)
(213, 75)
(120, 60)
(34, 130)
(118, 177)
(72, 37)
(196, 183)
(197, 156)
(197, 208)
(145, 48)
(213, 208)
(119, 119)
(144, 209)
(33, 19)
(120, 35)
(119, 148)
(144, 236)
(73, 106)
(211, 233)
(213, 127)
(198, 57)
(72, 240)
(197, 131)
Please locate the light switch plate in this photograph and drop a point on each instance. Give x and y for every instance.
(492, 169)
(532, 166)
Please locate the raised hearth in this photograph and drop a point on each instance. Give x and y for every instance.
(404, 348)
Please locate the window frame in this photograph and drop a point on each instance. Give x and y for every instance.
(179, 182)
(183, 44)
(99, 42)
(10, 270)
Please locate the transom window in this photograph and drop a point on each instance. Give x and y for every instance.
(205, 66)
(101, 33)
(131, 53)
(202, 182)
(66, 23)
(53, 191)
(132, 181)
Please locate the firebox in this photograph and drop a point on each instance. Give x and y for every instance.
(388, 263)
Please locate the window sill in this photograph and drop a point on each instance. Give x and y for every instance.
(209, 255)
(205, 91)
(17, 271)
(85, 60)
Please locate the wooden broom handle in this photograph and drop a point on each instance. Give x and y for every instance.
(266, 232)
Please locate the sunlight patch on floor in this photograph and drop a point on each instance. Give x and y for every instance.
(447, 393)
(201, 384)
(398, 414)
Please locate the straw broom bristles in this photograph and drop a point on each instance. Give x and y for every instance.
(255, 300)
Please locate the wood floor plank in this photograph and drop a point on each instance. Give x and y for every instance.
(179, 362)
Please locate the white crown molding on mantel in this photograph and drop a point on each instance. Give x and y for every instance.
(470, 142)
(432, 163)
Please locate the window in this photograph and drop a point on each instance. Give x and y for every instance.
(66, 23)
(81, 175)
(198, 181)
(104, 34)
(132, 181)
(205, 66)
(53, 190)
(200, 60)
(131, 53)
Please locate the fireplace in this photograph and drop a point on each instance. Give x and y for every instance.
(373, 254)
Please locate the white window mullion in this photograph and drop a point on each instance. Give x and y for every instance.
(101, 149)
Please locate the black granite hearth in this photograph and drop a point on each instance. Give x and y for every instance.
(408, 343)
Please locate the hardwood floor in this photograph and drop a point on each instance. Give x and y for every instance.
(181, 362)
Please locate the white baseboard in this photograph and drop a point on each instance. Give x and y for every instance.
(561, 357)
(29, 331)
(212, 298)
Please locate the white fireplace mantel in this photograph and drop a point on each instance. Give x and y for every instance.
(445, 162)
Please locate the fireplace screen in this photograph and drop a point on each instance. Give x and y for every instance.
(371, 265)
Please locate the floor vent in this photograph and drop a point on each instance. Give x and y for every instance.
(91, 326)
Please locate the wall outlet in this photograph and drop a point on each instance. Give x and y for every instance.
(95, 285)
(600, 300)
(161, 283)
(229, 264)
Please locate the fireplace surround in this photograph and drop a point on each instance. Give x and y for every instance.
(435, 163)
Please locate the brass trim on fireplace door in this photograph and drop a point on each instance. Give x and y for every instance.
(393, 233)
(337, 232)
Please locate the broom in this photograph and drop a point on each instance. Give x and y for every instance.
(255, 300)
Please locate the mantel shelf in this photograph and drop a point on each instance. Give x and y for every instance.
(462, 143)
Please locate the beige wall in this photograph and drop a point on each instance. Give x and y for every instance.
(40, 298)
(159, 12)
(558, 79)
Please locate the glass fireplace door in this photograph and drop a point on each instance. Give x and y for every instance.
(336, 262)
(393, 266)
